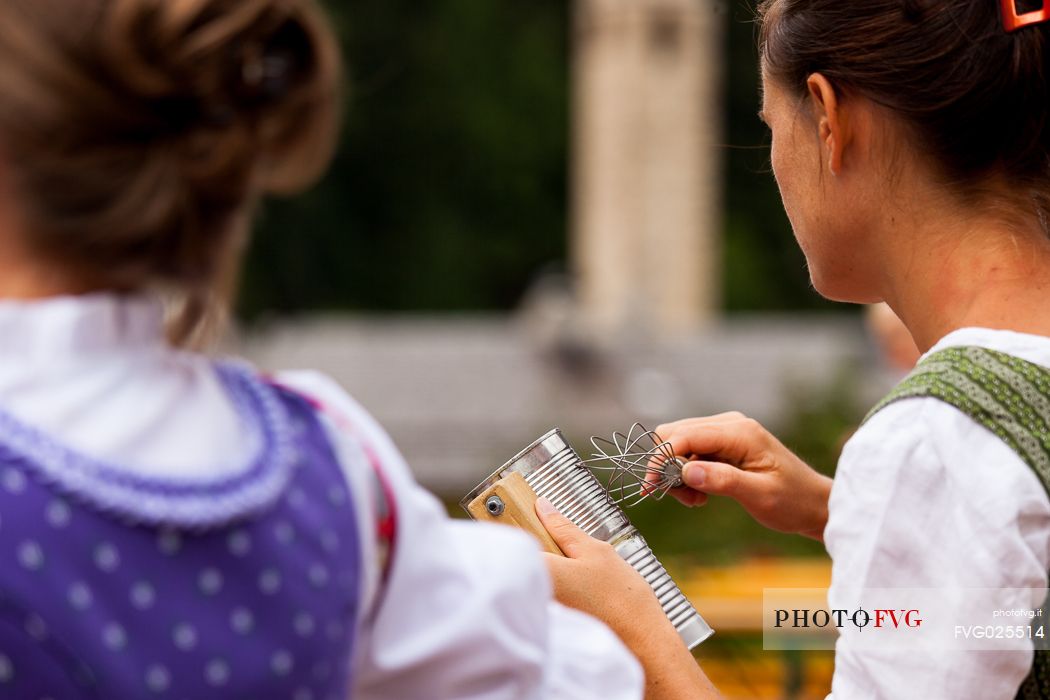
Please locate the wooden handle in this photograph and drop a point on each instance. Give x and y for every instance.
(511, 501)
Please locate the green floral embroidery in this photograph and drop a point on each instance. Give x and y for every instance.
(1007, 395)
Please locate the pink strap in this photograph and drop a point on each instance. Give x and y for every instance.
(382, 494)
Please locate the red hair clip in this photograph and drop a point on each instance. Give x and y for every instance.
(1012, 20)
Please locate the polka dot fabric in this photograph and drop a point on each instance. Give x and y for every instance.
(260, 607)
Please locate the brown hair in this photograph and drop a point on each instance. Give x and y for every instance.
(974, 96)
(138, 133)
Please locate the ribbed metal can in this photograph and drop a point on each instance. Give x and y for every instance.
(553, 469)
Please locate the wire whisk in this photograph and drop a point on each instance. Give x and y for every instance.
(640, 465)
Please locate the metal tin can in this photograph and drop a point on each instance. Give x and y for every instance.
(553, 469)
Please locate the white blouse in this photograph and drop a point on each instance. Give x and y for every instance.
(924, 497)
(466, 611)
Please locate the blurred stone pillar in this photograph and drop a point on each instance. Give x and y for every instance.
(646, 164)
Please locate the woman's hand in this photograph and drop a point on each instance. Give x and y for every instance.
(732, 455)
(593, 578)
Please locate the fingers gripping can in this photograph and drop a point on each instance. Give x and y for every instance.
(551, 468)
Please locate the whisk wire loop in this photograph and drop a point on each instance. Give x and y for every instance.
(639, 465)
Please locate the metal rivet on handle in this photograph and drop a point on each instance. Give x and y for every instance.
(494, 505)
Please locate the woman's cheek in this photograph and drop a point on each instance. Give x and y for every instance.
(784, 181)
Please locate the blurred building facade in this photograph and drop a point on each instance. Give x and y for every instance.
(647, 109)
(462, 395)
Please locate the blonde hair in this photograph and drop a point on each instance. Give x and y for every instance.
(138, 134)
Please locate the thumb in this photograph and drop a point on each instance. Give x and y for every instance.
(717, 478)
(563, 531)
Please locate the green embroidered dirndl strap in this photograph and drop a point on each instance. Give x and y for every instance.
(1011, 398)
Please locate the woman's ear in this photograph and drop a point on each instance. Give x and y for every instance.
(832, 125)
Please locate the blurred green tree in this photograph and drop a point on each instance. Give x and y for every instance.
(449, 190)
(764, 268)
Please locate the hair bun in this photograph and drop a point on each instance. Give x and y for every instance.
(218, 67)
(138, 133)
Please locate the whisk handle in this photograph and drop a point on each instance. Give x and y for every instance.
(511, 501)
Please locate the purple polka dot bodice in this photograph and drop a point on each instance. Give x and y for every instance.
(117, 587)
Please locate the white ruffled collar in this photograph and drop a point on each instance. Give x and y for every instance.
(95, 401)
(56, 327)
(192, 502)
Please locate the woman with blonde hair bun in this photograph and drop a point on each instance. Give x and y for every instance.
(175, 526)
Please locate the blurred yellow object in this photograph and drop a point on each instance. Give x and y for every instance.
(762, 678)
(730, 597)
